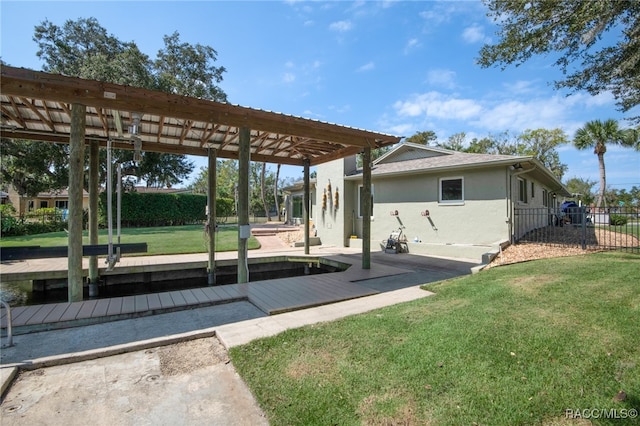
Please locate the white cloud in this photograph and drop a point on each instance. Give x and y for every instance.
(288, 77)
(520, 87)
(411, 44)
(341, 26)
(367, 67)
(441, 78)
(474, 34)
(438, 105)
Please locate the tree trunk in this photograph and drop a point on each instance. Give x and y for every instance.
(603, 182)
(263, 191)
(275, 193)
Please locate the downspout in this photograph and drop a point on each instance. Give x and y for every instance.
(509, 205)
(511, 202)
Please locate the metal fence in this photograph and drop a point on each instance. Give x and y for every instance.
(591, 229)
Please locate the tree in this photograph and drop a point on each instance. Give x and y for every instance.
(423, 138)
(226, 179)
(185, 69)
(578, 31)
(32, 167)
(597, 134)
(538, 143)
(456, 142)
(164, 170)
(83, 48)
(581, 188)
(541, 144)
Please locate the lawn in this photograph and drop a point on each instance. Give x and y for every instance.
(518, 344)
(160, 240)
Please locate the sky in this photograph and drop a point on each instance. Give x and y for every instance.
(397, 67)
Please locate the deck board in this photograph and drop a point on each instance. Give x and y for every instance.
(101, 308)
(72, 311)
(271, 296)
(165, 300)
(189, 297)
(86, 309)
(115, 306)
(57, 312)
(178, 298)
(153, 301)
(128, 304)
(141, 303)
(42, 313)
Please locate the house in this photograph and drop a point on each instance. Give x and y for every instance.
(53, 199)
(293, 206)
(446, 203)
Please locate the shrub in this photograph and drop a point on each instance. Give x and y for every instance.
(141, 210)
(10, 222)
(618, 220)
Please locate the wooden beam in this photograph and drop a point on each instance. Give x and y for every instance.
(39, 85)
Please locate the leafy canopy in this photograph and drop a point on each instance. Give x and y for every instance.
(83, 48)
(597, 42)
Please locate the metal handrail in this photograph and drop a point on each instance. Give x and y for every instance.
(9, 324)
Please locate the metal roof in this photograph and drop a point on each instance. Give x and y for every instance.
(37, 106)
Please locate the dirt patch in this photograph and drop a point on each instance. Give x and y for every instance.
(315, 364)
(532, 284)
(405, 413)
(186, 357)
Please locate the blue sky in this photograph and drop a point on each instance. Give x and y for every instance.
(392, 66)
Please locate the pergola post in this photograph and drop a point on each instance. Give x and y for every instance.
(94, 151)
(244, 230)
(366, 208)
(305, 207)
(76, 174)
(211, 216)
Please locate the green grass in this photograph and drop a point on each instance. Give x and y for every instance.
(512, 345)
(160, 240)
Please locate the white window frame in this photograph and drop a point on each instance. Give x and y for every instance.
(459, 202)
(522, 191)
(360, 200)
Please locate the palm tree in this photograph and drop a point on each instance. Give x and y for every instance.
(597, 134)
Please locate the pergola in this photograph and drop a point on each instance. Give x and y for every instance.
(55, 108)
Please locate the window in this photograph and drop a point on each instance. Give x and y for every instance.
(360, 201)
(44, 204)
(522, 190)
(451, 190)
(62, 204)
(545, 198)
(533, 190)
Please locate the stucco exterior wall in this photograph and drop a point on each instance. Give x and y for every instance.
(467, 229)
(481, 219)
(330, 221)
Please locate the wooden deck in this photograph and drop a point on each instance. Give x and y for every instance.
(271, 296)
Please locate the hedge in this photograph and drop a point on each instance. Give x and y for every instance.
(144, 210)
